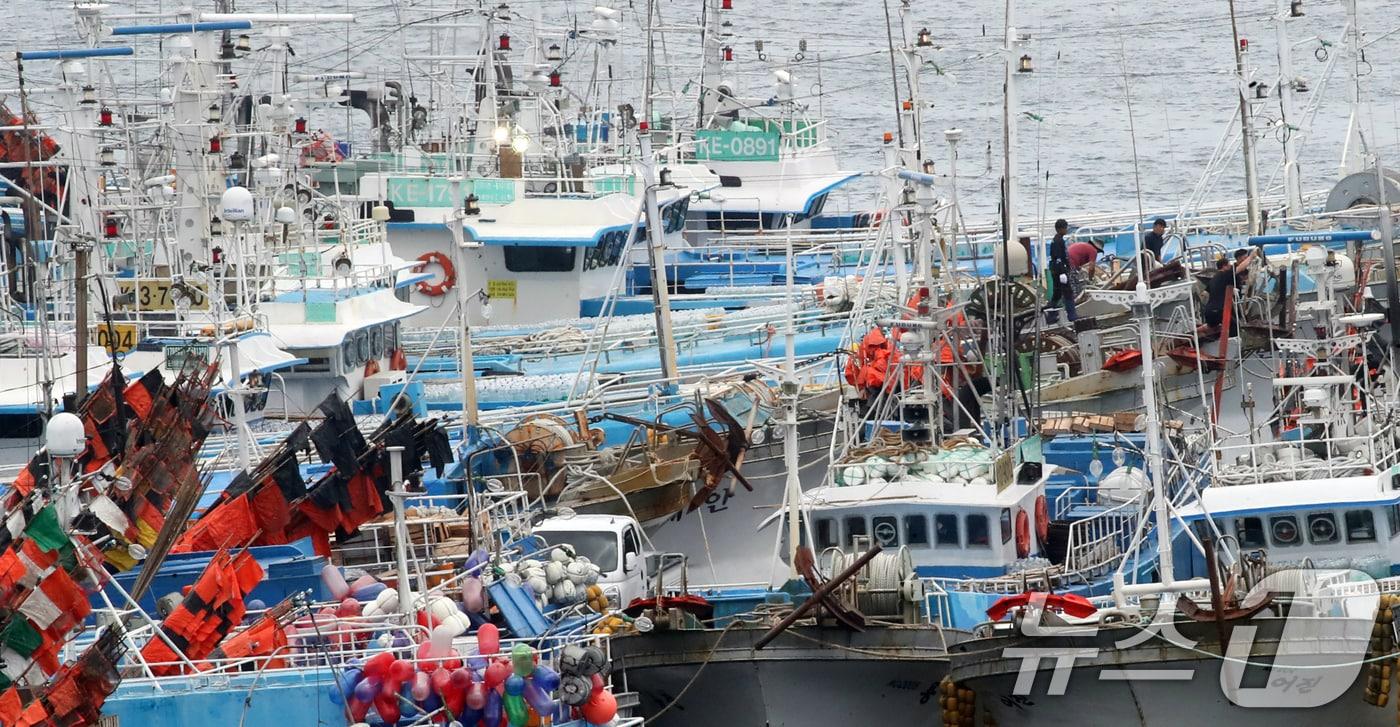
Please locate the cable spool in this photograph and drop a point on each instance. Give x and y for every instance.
(1361, 190)
(883, 590)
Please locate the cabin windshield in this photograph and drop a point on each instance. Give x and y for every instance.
(599, 547)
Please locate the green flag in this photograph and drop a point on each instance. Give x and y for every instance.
(45, 530)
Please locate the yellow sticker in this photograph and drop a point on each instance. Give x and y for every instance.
(159, 294)
(115, 337)
(501, 289)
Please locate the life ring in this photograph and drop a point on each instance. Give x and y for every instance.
(449, 274)
(1023, 534)
(398, 361)
(371, 367)
(1042, 519)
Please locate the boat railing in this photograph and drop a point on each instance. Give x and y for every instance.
(936, 606)
(507, 512)
(321, 642)
(1096, 544)
(1088, 494)
(762, 322)
(1306, 458)
(804, 242)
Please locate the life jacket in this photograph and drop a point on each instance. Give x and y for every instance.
(868, 366)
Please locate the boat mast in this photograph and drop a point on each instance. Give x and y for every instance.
(1009, 112)
(656, 232)
(788, 391)
(913, 152)
(1293, 185)
(464, 326)
(1251, 175)
(31, 233)
(1354, 147)
(710, 31)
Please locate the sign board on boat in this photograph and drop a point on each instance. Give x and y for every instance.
(158, 294)
(501, 289)
(115, 337)
(437, 191)
(186, 357)
(1004, 470)
(737, 146)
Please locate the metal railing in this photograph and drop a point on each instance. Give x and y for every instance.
(1096, 543)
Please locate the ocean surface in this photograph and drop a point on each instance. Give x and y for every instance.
(1173, 60)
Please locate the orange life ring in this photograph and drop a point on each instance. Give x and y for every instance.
(1042, 519)
(371, 367)
(398, 361)
(1023, 534)
(449, 274)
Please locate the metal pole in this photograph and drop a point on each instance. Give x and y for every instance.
(656, 257)
(1009, 111)
(1354, 147)
(892, 201)
(397, 495)
(235, 391)
(1251, 181)
(789, 394)
(1392, 294)
(80, 319)
(952, 136)
(1292, 182)
(464, 328)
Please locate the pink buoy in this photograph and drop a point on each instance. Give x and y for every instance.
(476, 695)
(496, 674)
(441, 680)
(334, 581)
(473, 595)
(488, 639)
(421, 687)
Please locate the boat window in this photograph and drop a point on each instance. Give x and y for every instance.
(826, 532)
(1392, 514)
(1250, 531)
(978, 532)
(1361, 526)
(538, 258)
(886, 529)
(1285, 530)
(1322, 528)
(945, 529)
(915, 530)
(854, 526)
(1005, 525)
